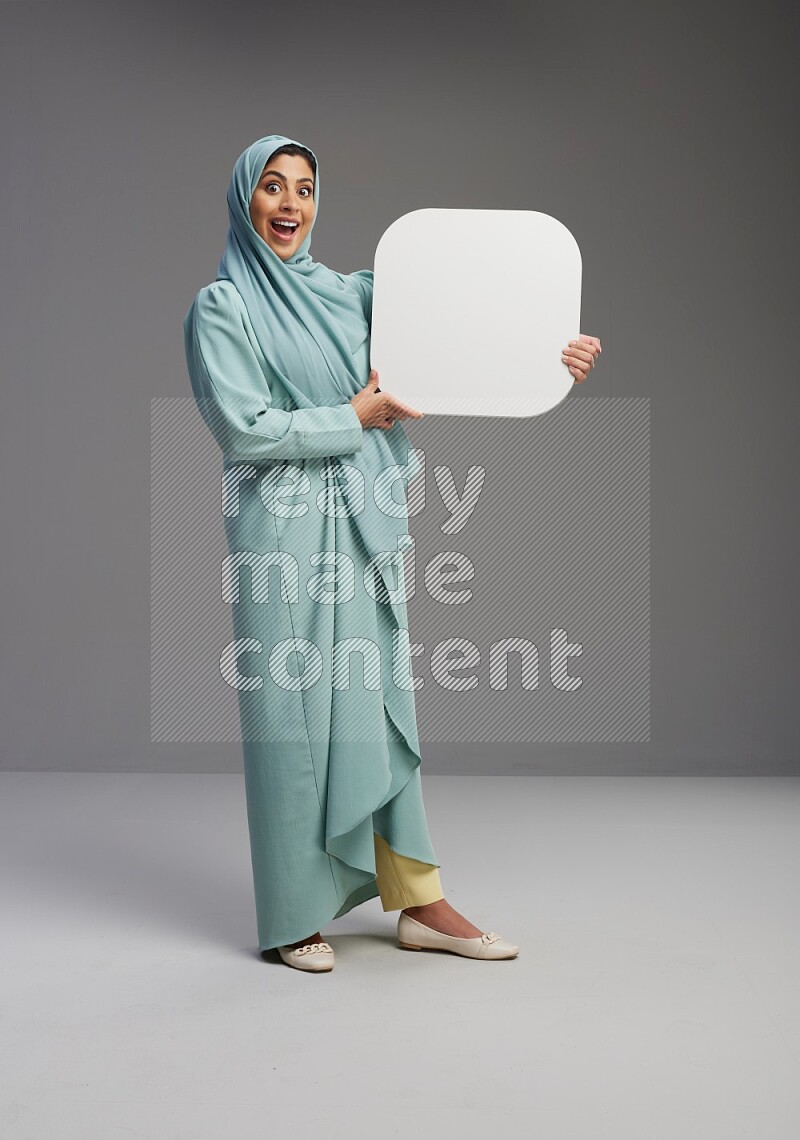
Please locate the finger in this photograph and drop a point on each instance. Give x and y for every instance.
(587, 351)
(592, 340)
(573, 360)
(578, 353)
(578, 369)
(404, 411)
(581, 343)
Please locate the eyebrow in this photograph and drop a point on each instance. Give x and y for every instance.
(285, 179)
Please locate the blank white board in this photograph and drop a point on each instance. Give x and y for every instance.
(472, 308)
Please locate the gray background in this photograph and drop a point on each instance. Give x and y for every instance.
(660, 136)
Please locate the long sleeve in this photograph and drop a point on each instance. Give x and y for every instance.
(234, 397)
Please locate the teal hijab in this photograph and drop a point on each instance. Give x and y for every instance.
(312, 324)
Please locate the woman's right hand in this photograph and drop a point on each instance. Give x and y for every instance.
(381, 409)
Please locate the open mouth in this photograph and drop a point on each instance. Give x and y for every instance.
(285, 230)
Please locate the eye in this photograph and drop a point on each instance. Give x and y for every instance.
(307, 190)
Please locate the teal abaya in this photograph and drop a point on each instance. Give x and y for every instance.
(320, 658)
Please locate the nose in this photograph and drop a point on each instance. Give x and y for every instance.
(290, 201)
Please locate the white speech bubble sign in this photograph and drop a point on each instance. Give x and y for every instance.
(472, 308)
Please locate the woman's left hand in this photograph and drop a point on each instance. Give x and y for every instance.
(581, 356)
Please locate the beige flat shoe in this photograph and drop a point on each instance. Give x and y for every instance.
(413, 935)
(315, 956)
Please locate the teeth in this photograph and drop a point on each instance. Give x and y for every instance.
(287, 225)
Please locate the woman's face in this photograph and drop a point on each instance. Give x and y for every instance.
(285, 192)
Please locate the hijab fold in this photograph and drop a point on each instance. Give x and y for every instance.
(311, 323)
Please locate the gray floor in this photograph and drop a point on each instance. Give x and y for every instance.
(656, 994)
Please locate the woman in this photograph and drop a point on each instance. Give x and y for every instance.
(277, 349)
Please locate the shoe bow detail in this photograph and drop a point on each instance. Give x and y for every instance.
(312, 948)
(489, 937)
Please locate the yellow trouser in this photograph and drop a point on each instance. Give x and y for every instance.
(402, 881)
